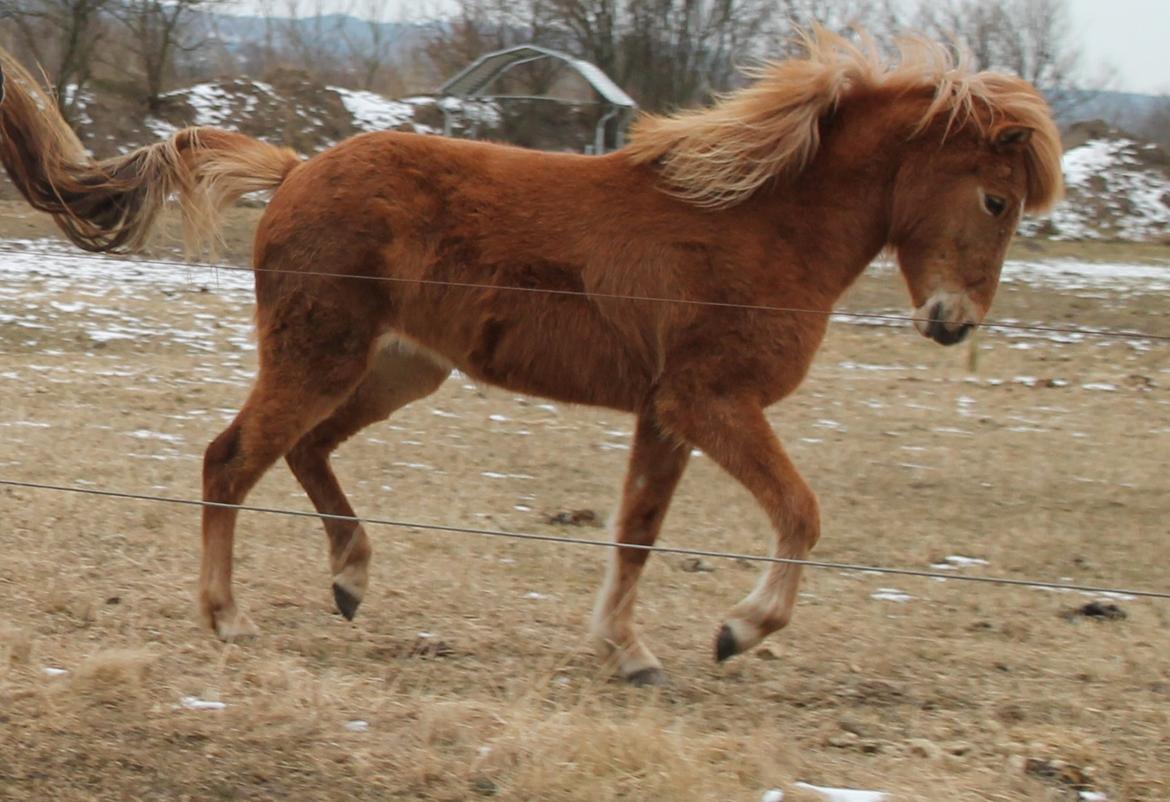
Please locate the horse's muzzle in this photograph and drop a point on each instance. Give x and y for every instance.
(938, 329)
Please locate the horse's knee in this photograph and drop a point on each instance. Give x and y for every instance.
(304, 459)
(221, 454)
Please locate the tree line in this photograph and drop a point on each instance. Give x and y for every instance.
(665, 53)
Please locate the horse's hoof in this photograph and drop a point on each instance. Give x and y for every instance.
(725, 644)
(652, 677)
(347, 603)
(235, 628)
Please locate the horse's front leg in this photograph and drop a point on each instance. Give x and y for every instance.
(656, 464)
(737, 436)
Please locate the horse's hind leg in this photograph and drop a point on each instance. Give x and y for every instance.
(397, 376)
(656, 464)
(309, 364)
(736, 435)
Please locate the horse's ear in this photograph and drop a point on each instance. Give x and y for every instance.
(1011, 137)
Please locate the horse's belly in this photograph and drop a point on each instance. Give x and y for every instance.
(566, 357)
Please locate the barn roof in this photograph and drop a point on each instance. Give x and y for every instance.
(480, 73)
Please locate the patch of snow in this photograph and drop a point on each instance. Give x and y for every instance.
(357, 725)
(146, 434)
(160, 128)
(372, 112)
(959, 561)
(844, 794)
(891, 595)
(50, 671)
(1070, 275)
(479, 112)
(195, 703)
(497, 475)
(417, 466)
(212, 104)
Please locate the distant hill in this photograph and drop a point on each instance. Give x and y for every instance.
(1127, 111)
(332, 32)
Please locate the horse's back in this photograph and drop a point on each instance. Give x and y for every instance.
(489, 255)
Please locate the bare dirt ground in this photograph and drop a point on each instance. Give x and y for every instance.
(468, 668)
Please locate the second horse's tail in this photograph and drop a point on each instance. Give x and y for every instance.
(111, 205)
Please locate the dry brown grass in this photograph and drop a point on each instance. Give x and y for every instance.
(965, 693)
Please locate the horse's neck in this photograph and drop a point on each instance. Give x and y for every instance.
(844, 199)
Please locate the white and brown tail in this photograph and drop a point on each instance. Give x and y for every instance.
(112, 205)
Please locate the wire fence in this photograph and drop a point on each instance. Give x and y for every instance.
(1117, 334)
(590, 542)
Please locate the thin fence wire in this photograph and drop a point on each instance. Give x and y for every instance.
(468, 285)
(591, 542)
(568, 541)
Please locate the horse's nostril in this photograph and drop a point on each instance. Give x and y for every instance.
(934, 322)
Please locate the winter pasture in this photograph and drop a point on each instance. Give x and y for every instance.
(467, 673)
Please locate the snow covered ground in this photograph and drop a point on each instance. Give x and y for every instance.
(52, 259)
(1116, 188)
(227, 104)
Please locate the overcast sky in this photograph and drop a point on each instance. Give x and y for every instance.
(1130, 36)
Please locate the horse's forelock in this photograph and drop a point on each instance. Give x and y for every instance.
(1014, 101)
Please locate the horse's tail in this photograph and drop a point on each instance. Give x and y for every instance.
(112, 205)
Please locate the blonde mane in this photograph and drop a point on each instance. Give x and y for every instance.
(719, 156)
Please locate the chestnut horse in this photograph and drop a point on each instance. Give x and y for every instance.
(777, 196)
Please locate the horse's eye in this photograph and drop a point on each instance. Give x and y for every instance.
(994, 204)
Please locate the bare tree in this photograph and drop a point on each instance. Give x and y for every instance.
(880, 20)
(665, 52)
(1156, 126)
(156, 32)
(62, 37)
(309, 37)
(370, 46)
(482, 26)
(1031, 38)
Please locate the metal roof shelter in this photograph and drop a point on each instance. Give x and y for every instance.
(471, 82)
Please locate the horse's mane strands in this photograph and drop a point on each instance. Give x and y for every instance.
(717, 157)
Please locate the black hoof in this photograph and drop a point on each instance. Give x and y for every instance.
(648, 677)
(347, 603)
(725, 645)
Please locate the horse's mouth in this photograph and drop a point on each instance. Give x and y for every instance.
(944, 336)
(942, 332)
